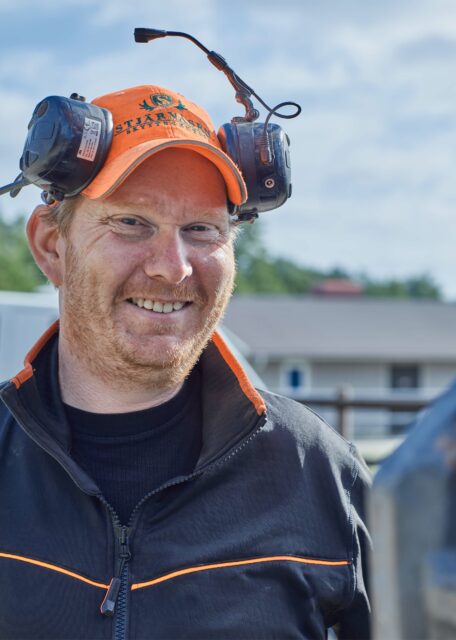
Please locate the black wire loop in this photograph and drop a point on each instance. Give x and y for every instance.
(274, 111)
(241, 87)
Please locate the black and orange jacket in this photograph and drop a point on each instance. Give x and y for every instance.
(265, 538)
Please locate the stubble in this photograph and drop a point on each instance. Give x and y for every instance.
(90, 332)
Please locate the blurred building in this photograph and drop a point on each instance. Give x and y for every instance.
(307, 345)
(338, 287)
(23, 319)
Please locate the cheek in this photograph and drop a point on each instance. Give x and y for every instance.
(217, 268)
(110, 260)
(94, 274)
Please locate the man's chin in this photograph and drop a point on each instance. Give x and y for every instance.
(157, 352)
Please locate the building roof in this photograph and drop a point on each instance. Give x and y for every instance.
(338, 287)
(322, 328)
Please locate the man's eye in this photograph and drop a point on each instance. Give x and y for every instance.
(200, 227)
(126, 221)
(130, 226)
(205, 232)
(129, 221)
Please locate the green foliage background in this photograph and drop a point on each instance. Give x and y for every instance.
(258, 271)
(18, 271)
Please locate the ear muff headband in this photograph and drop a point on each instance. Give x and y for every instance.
(68, 141)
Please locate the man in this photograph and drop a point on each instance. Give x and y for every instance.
(147, 490)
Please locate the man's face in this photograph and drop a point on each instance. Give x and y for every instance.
(162, 240)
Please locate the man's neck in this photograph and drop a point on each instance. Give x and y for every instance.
(84, 389)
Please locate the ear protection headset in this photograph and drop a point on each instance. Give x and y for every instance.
(62, 131)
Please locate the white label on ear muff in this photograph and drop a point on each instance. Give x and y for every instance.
(90, 139)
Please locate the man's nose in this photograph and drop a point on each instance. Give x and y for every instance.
(168, 257)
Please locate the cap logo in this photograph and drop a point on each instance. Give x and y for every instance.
(160, 100)
(167, 112)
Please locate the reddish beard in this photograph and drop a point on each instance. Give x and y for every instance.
(89, 328)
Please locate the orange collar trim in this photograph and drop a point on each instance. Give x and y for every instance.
(27, 371)
(244, 382)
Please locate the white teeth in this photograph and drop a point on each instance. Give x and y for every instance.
(158, 307)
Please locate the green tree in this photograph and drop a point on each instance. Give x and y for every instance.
(384, 289)
(18, 271)
(259, 272)
(416, 287)
(296, 279)
(423, 287)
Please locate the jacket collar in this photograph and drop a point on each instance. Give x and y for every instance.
(231, 406)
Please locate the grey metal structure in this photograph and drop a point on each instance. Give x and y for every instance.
(23, 318)
(413, 521)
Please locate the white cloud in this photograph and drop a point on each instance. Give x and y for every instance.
(148, 14)
(374, 151)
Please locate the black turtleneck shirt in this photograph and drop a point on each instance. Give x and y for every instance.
(131, 454)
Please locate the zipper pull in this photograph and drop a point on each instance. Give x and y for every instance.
(124, 553)
(108, 606)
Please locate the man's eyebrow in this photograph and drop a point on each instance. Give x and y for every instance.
(123, 206)
(210, 215)
(147, 211)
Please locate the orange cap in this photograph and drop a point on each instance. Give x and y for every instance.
(148, 119)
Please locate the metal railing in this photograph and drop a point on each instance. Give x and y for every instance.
(343, 401)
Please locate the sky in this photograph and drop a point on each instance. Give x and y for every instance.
(373, 152)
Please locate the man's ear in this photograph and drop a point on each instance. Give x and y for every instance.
(43, 240)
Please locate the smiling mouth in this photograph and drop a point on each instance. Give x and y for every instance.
(158, 307)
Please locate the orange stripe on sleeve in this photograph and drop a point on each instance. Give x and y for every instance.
(245, 384)
(54, 567)
(237, 563)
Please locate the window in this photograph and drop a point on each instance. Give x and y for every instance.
(294, 378)
(403, 378)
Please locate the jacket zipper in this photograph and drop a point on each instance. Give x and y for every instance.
(195, 474)
(121, 620)
(115, 600)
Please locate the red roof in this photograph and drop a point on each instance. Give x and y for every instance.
(338, 287)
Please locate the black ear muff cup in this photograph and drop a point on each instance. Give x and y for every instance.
(264, 164)
(66, 146)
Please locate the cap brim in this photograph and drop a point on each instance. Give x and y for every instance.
(117, 170)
